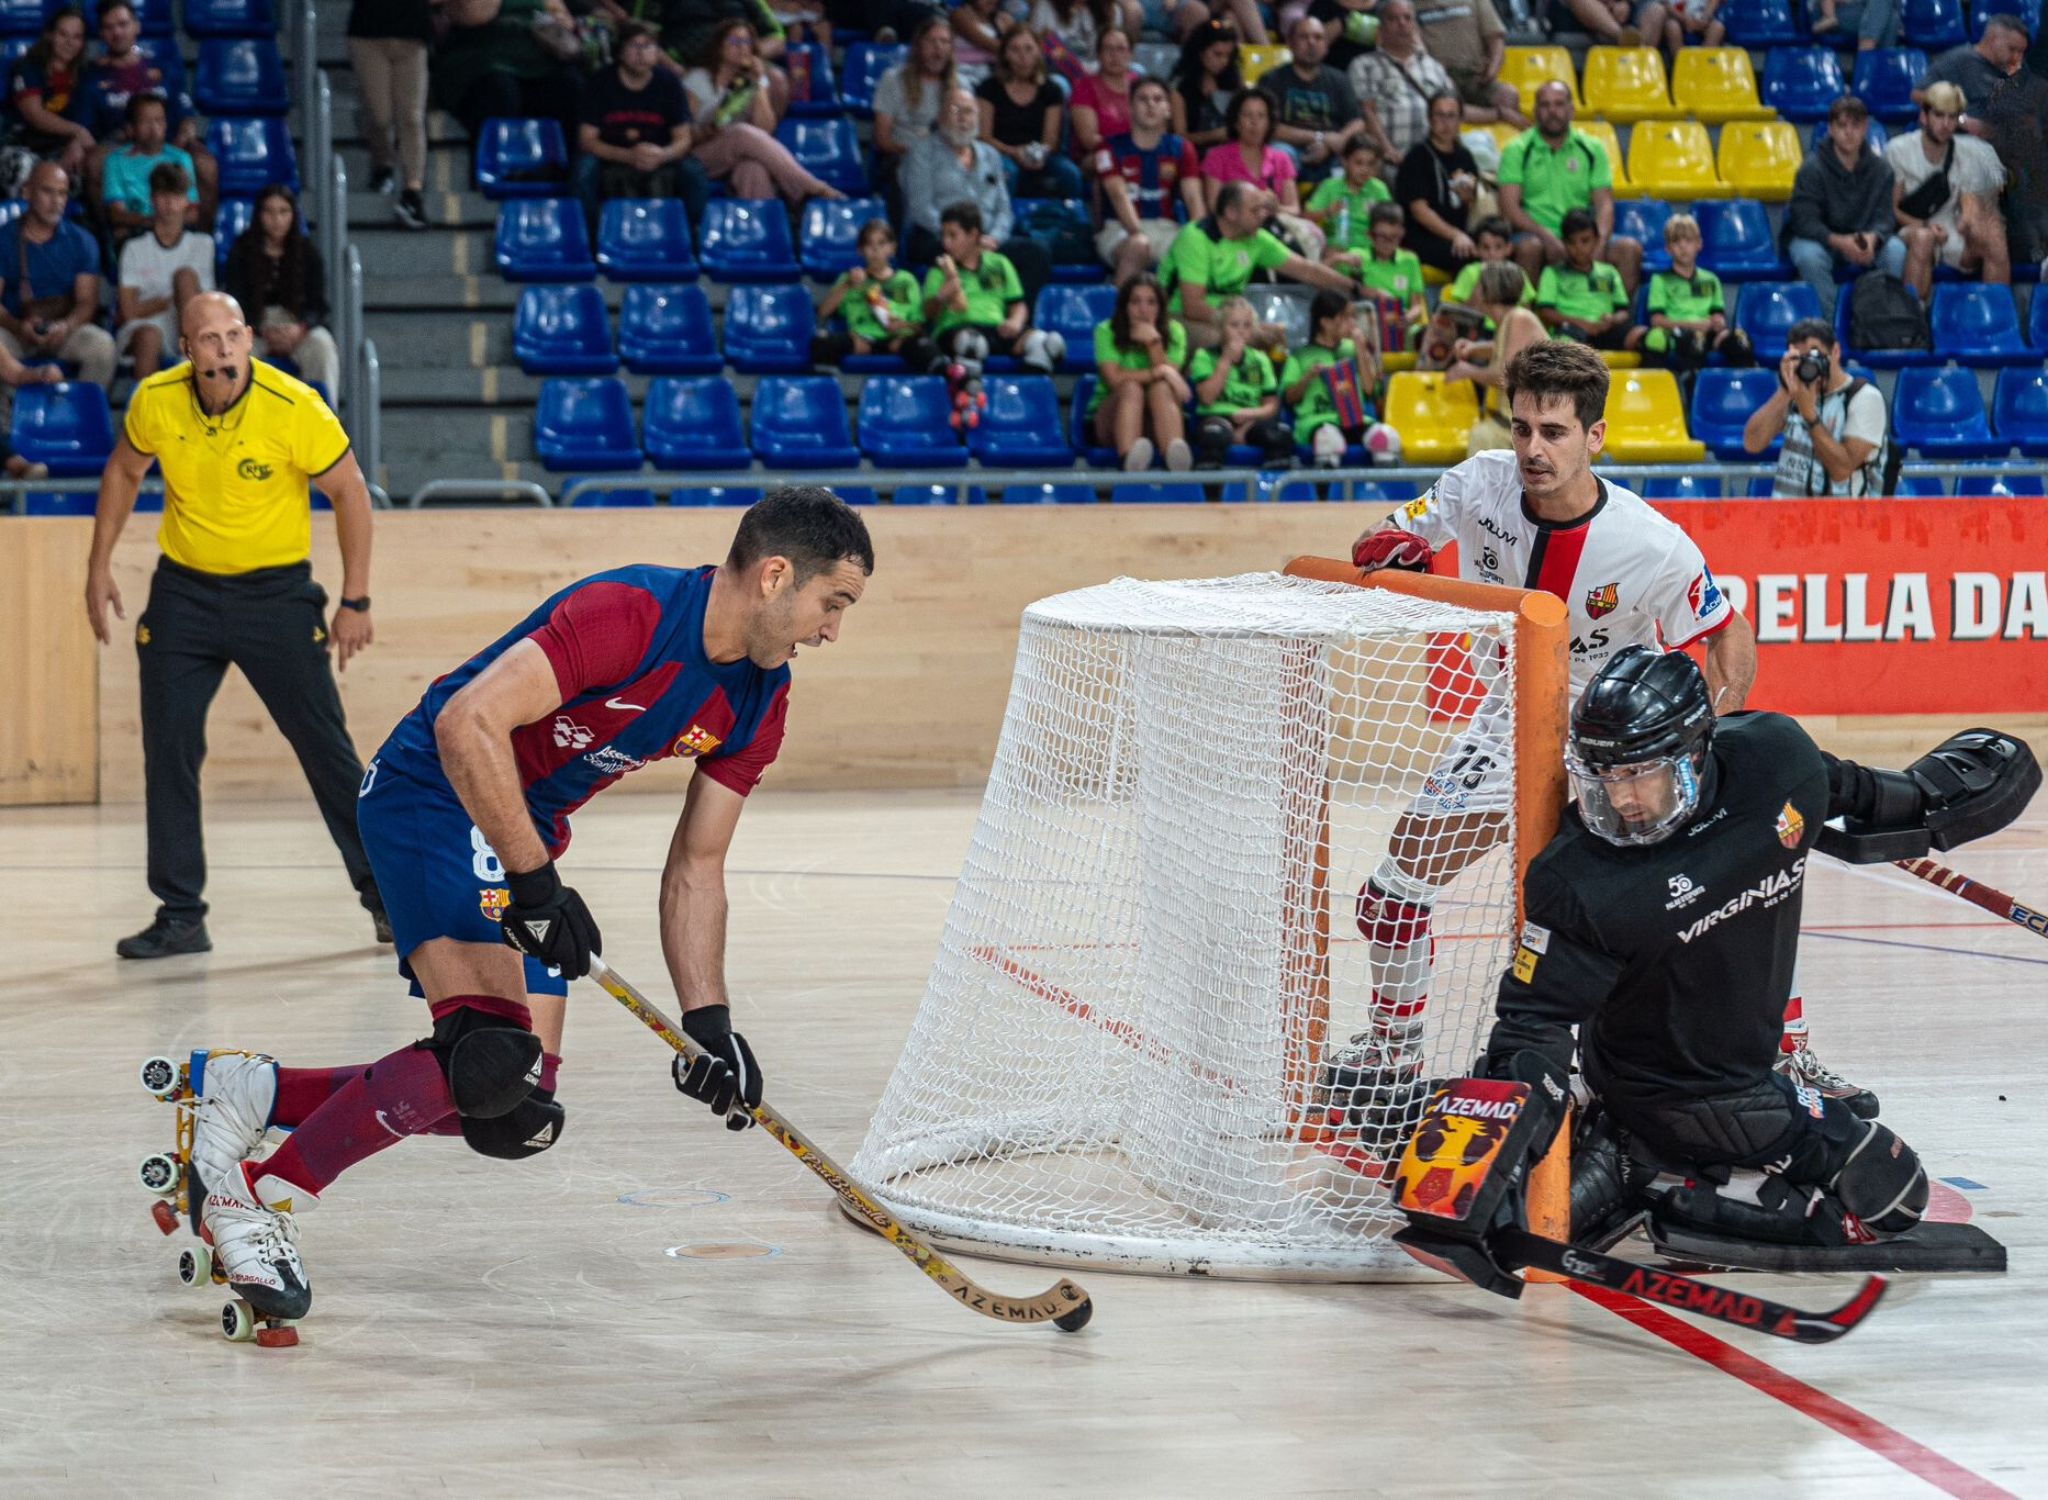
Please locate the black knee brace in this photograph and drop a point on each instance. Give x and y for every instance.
(1882, 1182)
(529, 1128)
(491, 1064)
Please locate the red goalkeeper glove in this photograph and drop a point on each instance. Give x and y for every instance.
(1391, 548)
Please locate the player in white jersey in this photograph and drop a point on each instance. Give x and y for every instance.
(1539, 518)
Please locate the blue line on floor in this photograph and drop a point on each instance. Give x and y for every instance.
(1965, 1184)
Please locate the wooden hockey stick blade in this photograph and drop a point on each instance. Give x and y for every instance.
(1670, 1289)
(1064, 1305)
(1977, 894)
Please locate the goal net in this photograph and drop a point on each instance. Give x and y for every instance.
(1152, 950)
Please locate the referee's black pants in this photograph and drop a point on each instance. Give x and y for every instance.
(272, 624)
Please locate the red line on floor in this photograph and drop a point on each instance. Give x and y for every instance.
(1888, 1443)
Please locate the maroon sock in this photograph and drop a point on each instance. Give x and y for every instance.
(394, 1097)
(452, 1124)
(300, 1091)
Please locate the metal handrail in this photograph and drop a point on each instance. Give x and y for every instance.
(349, 332)
(522, 490)
(307, 46)
(371, 422)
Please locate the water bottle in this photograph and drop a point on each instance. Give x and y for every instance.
(1344, 225)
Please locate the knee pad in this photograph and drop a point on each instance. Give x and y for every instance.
(491, 1063)
(527, 1129)
(1882, 1182)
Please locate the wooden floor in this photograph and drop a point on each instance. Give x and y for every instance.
(656, 1307)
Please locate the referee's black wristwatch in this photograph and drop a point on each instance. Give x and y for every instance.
(361, 606)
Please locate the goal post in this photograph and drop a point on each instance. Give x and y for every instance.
(1151, 953)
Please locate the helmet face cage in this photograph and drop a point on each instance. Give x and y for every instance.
(1639, 802)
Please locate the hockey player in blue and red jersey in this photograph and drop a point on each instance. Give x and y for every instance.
(465, 810)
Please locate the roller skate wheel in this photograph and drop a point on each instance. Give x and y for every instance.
(238, 1322)
(159, 1076)
(159, 1174)
(166, 1216)
(195, 1265)
(277, 1336)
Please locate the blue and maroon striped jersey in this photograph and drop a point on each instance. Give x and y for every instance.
(627, 647)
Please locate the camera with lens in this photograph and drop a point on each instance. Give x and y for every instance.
(1813, 367)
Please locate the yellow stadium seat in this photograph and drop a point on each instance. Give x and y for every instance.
(1434, 417)
(1759, 158)
(1255, 62)
(1628, 84)
(1717, 84)
(1646, 420)
(1621, 359)
(1528, 68)
(1674, 159)
(1605, 134)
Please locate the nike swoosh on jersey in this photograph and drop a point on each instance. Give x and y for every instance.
(622, 704)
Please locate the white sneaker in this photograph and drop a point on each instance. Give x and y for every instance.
(1328, 446)
(1140, 456)
(256, 1244)
(1179, 456)
(237, 1091)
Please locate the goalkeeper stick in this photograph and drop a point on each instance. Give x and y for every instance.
(1064, 1305)
(1996, 902)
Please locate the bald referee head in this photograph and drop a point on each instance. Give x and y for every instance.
(216, 338)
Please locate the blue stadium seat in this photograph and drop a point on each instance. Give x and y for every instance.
(68, 503)
(1642, 219)
(2002, 486)
(768, 329)
(645, 239)
(1934, 24)
(1766, 311)
(1073, 312)
(866, 62)
(666, 330)
(1885, 80)
(156, 18)
(67, 426)
(800, 423)
(1081, 431)
(1879, 137)
(1048, 494)
(1979, 324)
(232, 217)
(695, 424)
(1738, 243)
(717, 494)
(828, 149)
(1915, 487)
(1165, 492)
(1765, 23)
(585, 424)
(1682, 487)
(23, 18)
(829, 238)
(748, 240)
(905, 423)
(242, 76)
(230, 18)
(2019, 409)
(1064, 228)
(543, 239)
(521, 159)
(610, 497)
(1983, 10)
(2037, 323)
(1941, 414)
(563, 330)
(937, 494)
(1801, 82)
(822, 97)
(1722, 400)
(253, 153)
(856, 494)
(1021, 426)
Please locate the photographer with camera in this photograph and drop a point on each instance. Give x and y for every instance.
(1836, 442)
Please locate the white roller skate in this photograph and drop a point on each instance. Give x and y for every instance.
(236, 1093)
(247, 1218)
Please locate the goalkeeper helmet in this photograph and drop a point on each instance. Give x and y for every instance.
(1639, 741)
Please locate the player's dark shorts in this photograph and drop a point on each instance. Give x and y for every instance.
(439, 876)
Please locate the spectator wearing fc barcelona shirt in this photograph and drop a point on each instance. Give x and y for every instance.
(1151, 186)
(47, 90)
(128, 68)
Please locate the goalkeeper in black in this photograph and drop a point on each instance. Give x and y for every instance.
(1662, 922)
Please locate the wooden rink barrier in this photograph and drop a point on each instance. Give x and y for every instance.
(912, 695)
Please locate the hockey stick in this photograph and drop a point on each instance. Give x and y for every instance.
(1996, 902)
(1670, 1289)
(1064, 1305)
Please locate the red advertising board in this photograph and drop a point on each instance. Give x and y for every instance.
(1886, 606)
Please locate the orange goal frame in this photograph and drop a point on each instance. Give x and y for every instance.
(1542, 689)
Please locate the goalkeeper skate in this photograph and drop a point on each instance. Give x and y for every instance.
(1799, 1064)
(223, 1101)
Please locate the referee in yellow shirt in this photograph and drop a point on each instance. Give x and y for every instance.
(238, 442)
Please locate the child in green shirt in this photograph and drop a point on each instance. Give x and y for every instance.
(1494, 237)
(1141, 396)
(883, 308)
(1688, 309)
(1584, 299)
(1329, 385)
(975, 303)
(1396, 275)
(1342, 204)
(1237, 395)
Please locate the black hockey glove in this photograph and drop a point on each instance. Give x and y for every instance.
(725, 1076)
(548, 921)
